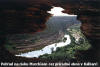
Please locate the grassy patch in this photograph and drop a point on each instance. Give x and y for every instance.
(69, 51)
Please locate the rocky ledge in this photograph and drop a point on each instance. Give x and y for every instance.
(12, 22)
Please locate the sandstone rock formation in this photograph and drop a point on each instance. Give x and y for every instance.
(29, 16)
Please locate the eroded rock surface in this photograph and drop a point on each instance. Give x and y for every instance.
(29, 16)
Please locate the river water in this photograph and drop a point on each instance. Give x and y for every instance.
(57, 12)
(48, 49)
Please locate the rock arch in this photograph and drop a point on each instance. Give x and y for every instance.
(16, 17)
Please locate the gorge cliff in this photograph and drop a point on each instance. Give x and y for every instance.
(17, 17)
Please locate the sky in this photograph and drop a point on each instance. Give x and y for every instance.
(57, 11)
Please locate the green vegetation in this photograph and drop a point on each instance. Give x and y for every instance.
(78, 42)
(68, 51)
(53, 32)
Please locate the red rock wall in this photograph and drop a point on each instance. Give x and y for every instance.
(20, 16)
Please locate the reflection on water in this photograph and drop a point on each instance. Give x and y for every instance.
(48, 49)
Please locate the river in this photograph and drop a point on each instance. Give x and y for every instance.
(56, 12)
(47, 49)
